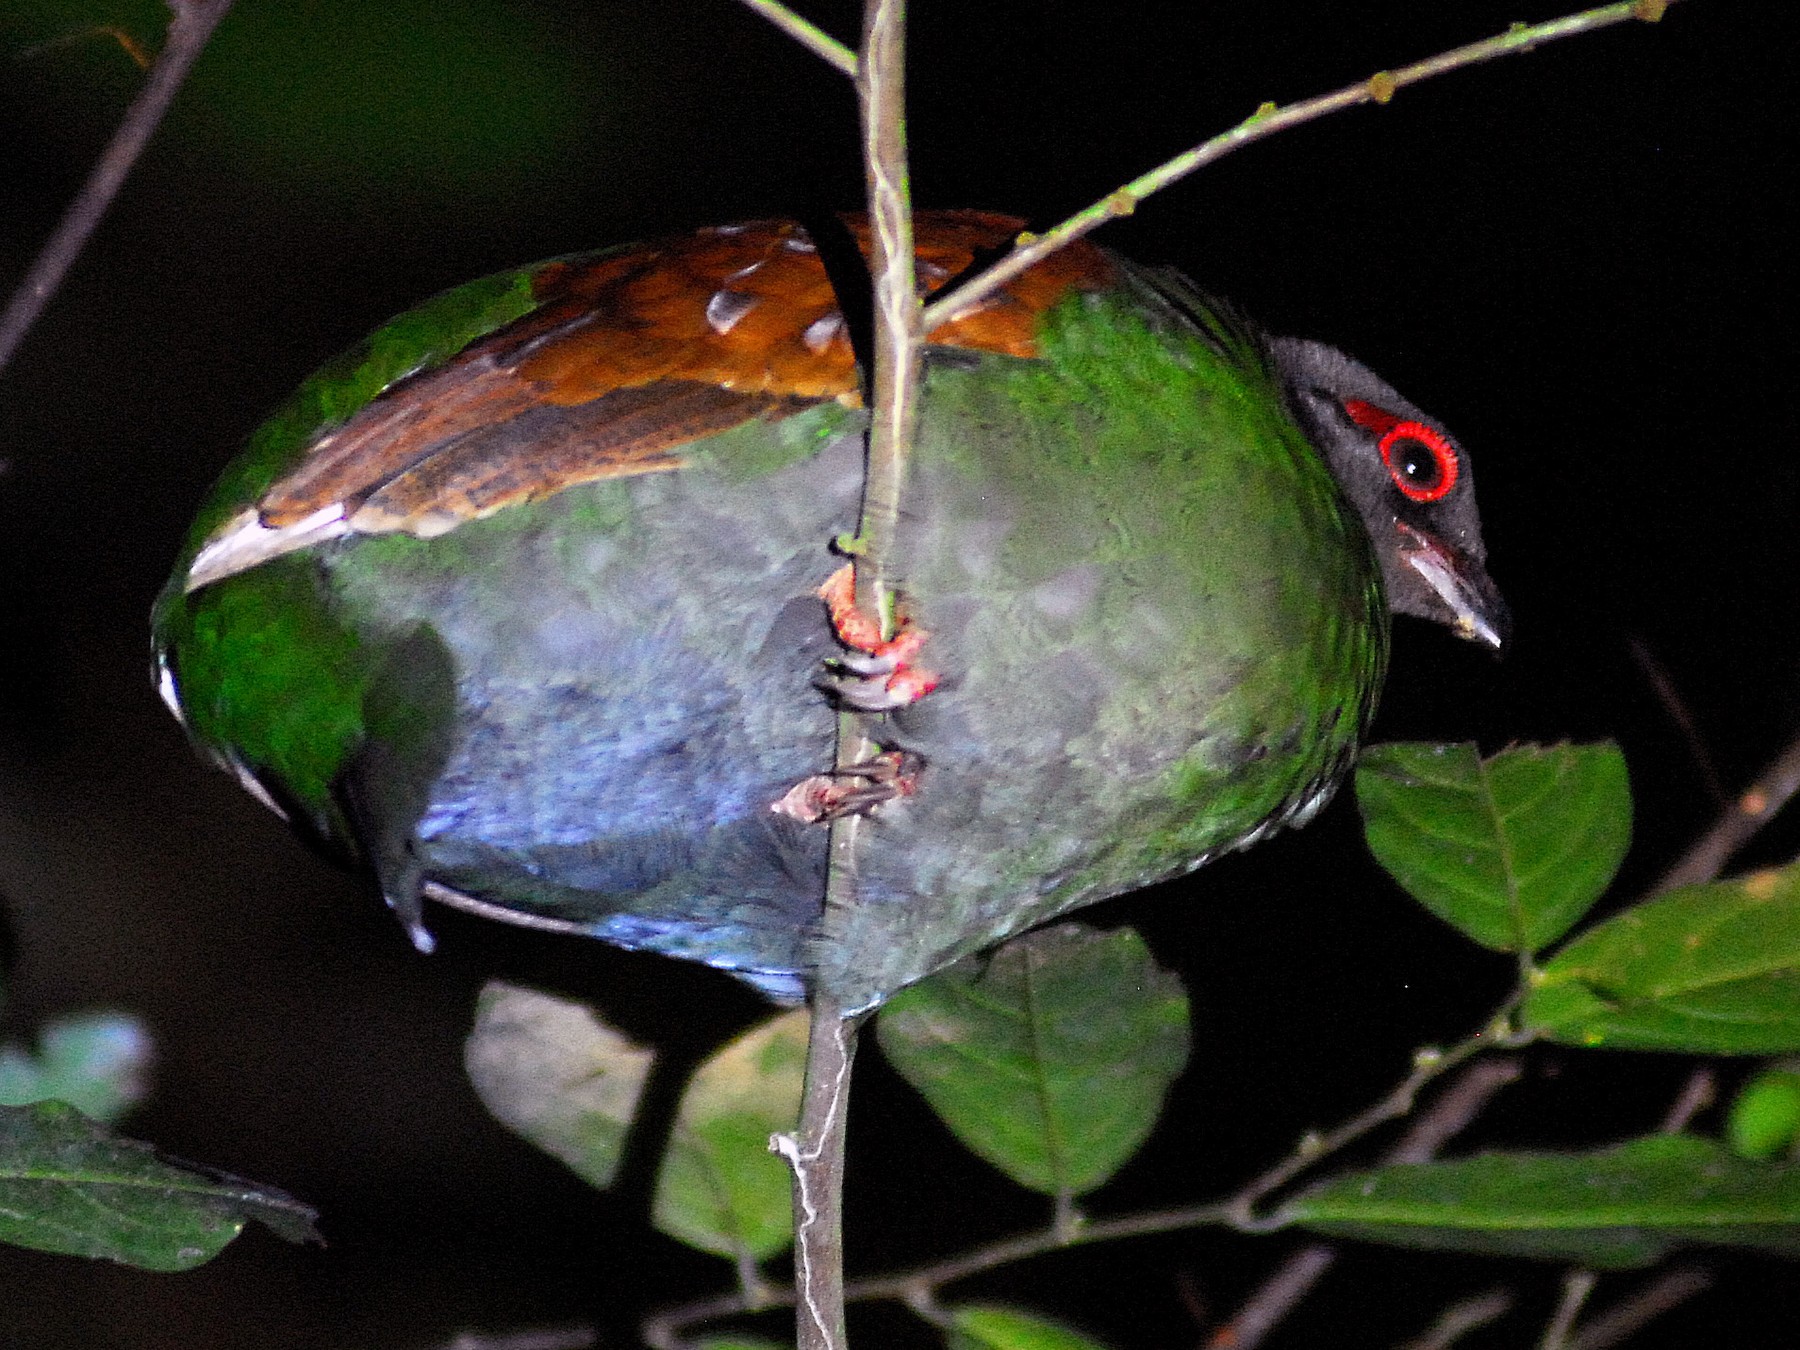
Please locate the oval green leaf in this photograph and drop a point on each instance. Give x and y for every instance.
(69, 1186)
(1711, 969)
(1618, 1207)
(982, 1327)
(553, 1073)
(1050, 1057)
(1513, 849)
(720, 1189)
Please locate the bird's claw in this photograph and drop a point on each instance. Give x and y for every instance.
(879, 673)
(855, 790)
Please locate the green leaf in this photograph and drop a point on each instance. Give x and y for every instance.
(1764, 1120)
(1622, 1206)
(1050, 1057)
(720, 1189)
(97, 1062)
(980, 1327)
(67, 1185)
(1711, 969)
(552, 1072)
(729, 1341)
(1512, 850)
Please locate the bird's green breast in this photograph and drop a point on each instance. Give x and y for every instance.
(1166, 630)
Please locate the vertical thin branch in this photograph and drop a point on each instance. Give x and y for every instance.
(899, 330)
(817, 1156)
(815, 1152)
(189, 29)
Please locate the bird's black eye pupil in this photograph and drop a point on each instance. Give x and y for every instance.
(1416, 463)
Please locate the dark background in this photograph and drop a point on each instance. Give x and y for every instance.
(1578, 258)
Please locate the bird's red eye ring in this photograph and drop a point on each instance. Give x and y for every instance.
(1420, 460)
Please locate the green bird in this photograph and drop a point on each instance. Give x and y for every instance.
(529, 602)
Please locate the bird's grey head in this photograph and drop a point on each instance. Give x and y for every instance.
(1409, 480)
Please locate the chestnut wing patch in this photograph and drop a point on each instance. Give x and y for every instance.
(628, 358)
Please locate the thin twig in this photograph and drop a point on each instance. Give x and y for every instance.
(1266, 121)
(1274, 1298)
(1756, 807)
(1428, 1064)
(1577, 1285)
(1662, 684)
(190, 26)
(538, 1338)
(1696, 1095)
(807, 34)
(1456, 1108)
(1460, 1318)
(1635, 1311)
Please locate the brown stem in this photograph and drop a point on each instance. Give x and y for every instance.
(1266, 121)
(1460, 1103)
(538, 1338)
(1274, 1298)
(1460, 1318)
(1577, 1285)
(1756, 807)
(1698, 1093)
(191, 25)
(1428, 1064)
(1635, 1311)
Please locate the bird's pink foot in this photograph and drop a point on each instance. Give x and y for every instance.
(879, 673)
(852, 791)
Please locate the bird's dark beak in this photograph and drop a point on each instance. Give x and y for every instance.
(1476, 610)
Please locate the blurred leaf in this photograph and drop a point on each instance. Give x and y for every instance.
(407, 97)
(552, 1072)
(1050, 1057)
(1623, 1206)
(1513, 849)
(1711, 969)
(97, 1062)
(733, 1342)
(720, 1188)
(69, 1186)
(989, 1328)
(340, 98)
(1764, 1120)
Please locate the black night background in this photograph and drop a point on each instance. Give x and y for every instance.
(1579, 258)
